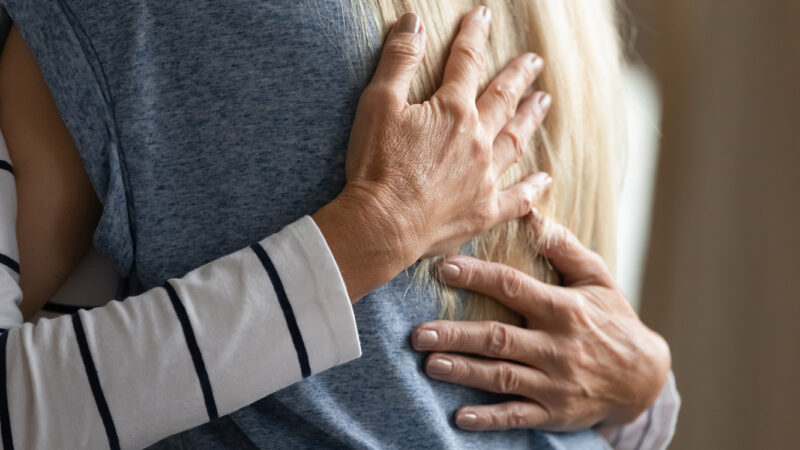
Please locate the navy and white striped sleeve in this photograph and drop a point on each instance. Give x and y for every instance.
(10, 294)
(134, 371)
(654, 428)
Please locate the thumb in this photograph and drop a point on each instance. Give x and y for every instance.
(402, 54)
(569, 256)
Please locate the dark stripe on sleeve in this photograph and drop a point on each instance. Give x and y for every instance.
(5, 419)
(10, 263)
(194, 350)
(288, 313)
(646, 428)
(94, 382)
(5, 165)
(64, 309)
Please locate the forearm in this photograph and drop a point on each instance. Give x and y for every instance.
(223, 336)
(132, 372)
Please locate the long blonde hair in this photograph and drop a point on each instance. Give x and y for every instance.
(579, 143)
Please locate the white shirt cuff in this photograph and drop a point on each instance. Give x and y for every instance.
(320, 301)
(654, 428)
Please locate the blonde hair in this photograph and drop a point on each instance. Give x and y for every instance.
(579, 143)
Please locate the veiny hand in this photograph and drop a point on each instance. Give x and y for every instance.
(584, 358)
(425, 177)
(436, 165)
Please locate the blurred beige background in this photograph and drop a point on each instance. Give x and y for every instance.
(722, 278)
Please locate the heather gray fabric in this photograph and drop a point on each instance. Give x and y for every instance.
(207, 125)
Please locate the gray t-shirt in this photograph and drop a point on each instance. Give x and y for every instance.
(205, 126)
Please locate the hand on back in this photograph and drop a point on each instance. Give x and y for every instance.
(434, 167)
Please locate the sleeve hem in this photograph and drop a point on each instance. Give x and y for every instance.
(654, 428)
(319, 297)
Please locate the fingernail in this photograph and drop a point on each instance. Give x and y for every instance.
(545, 101)
(427, 338)
(537, 63)
(440, 366)
(542, 180)
(486, 13)
(449, 271)
(466, 420)
(409, 23)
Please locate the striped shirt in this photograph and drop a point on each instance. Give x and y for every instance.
(134, 371)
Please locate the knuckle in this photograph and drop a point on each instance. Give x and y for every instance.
(506, 380)
(576, 313)
(462, 112)
(550, 301)
(454, 338)
(467, 275)
(462, 370)
(481, 155)
(506, 97)
(517, 417)
(470, 54)
(499, 343)
(514, 137)
(483, 219)
(511, 283)
(402, 50)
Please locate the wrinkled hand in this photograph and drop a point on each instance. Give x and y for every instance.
(422, 179)
(434, 167)
(584, 358)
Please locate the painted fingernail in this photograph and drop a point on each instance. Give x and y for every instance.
(449, 271)
(427, 338)
(440, 366)
(409, 23)
(466, 420)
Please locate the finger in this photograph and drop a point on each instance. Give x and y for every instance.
(498, 103)
(401, 55)
(488, 338)
(503, 416)
(463, 70)
(569, 256)
(513, 139)
(515, 289)
(518, 200)
(501, 377)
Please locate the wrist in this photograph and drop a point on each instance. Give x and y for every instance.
(654, 363)
(370, 240)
